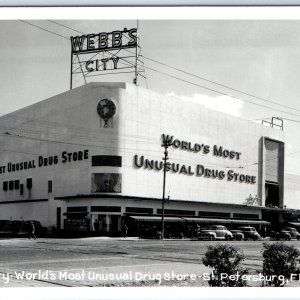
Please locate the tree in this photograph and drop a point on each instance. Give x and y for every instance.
(280, 261)
(224, 260)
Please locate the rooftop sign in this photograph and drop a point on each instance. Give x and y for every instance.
(104, 41)
(104, 53)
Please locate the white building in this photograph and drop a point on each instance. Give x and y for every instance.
(95, 152)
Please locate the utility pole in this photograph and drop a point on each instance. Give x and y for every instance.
(135, 80)
(71, 78)
(166, 144)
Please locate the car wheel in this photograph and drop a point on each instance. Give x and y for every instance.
(238, 238)
(211, 238)
(298, 237)
(255, 238)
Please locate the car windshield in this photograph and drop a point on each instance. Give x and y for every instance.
(247, 229)
(218, 227)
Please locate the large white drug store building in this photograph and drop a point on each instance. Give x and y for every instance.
(95, 153)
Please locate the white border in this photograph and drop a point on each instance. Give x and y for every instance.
(158, 293)
(163, 13)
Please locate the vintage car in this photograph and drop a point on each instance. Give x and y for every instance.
(250, 233)
(282, 235)
(238, 235)
(292, 231)
(6, 228)
(215, 232)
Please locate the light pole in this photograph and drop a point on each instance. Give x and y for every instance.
(166, 144)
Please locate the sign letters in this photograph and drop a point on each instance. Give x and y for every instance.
(104, 41)
(198, 170)
(44, 161)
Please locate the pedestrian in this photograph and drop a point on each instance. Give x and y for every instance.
(264, 232)
(96, 225)
(198, 230)
(125, 231)
(32, 230)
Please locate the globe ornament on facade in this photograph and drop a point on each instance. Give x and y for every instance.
(106, 109)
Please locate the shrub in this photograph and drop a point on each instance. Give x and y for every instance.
(224, 260)
(279, 262)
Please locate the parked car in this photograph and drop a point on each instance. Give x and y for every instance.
(280, 235)
(6, 228)
(250, 233)
(16, 225)
(292, 231)
(25, 228)
(238, 235)
(215, 232)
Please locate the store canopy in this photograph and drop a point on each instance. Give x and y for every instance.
(156, 219)
(294, 223)
(226, 221)
(199, 220)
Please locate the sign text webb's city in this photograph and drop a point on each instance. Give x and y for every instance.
(104, 42)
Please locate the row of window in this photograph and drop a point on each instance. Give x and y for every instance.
(97, 160)
(15, 185)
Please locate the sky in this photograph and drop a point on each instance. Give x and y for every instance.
(228, 63)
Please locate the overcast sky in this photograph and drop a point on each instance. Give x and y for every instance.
(260, 58)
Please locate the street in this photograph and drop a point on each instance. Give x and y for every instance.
(113, 262)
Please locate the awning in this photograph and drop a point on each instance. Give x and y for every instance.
(294, 223)
(156, 219)
(227, 221)
(199, 220)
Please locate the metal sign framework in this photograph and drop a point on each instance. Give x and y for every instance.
(104, 53)
(275, 122)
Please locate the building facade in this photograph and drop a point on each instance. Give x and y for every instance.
(94, 155)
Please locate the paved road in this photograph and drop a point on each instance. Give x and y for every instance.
(88, 262)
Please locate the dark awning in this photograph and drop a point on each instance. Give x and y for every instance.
(294, 223)
(226, 221)
(156, 219)
(199, 220)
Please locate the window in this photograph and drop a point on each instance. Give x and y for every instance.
(139, 210)
(246, 216)
(106, 160)
(17, 184)
(76, 208)
(272, 194)
(177, 212)
(21, 189)
(11, 185)
(5, 185)
(50, 186)
(214, 214)
(29, 183)
(106, 183)
(106, 208)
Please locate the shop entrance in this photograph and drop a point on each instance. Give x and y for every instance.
(105, 224)
(58, 218)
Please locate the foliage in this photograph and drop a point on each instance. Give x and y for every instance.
(279, 260)
(224, 260)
